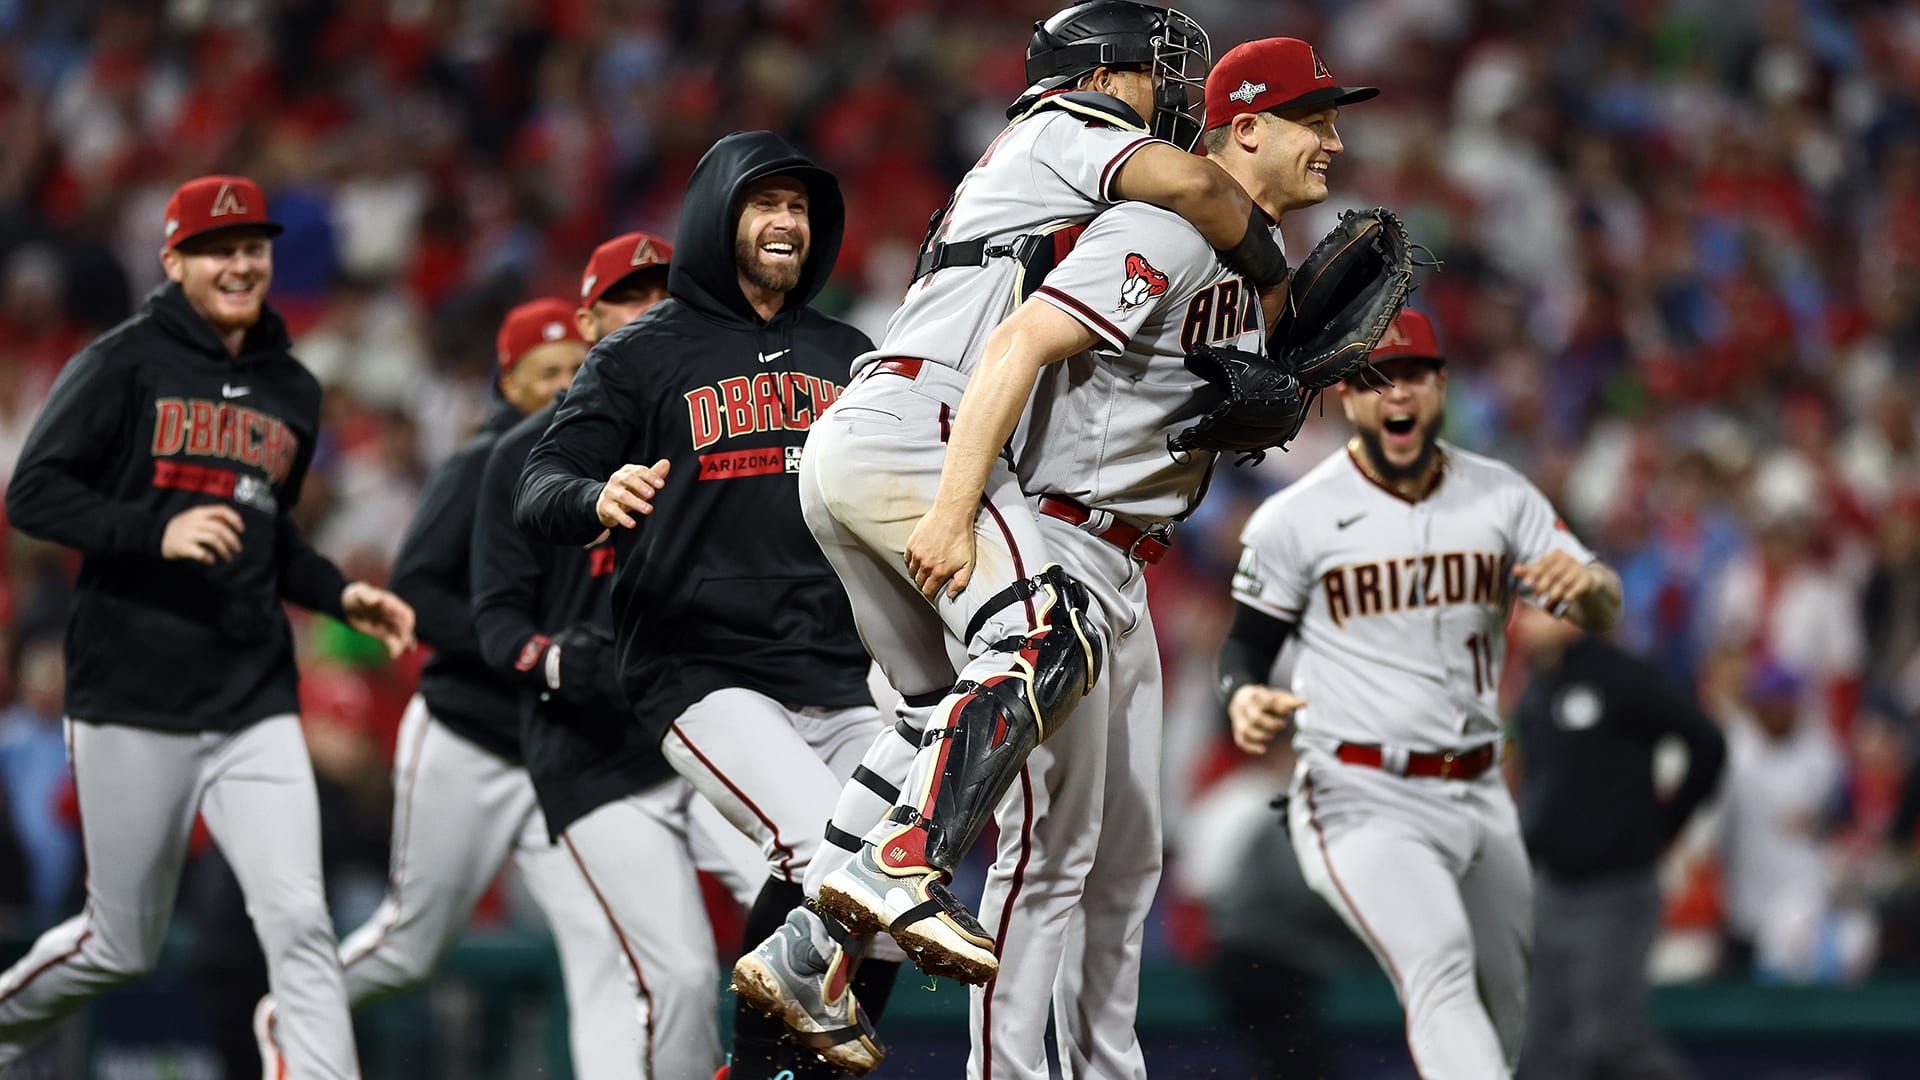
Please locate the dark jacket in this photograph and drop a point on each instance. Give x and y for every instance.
(1587, 732)
(726, 587)
(432, 573)
(582, 750)
(153, 418)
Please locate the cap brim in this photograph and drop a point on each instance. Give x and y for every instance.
(1327, 95)
(598, 294)
(271, 228)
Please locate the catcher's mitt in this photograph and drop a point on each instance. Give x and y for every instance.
(1343, 296)
(1264, 409)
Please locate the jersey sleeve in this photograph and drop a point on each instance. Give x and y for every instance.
(1272, 577)
(1125, 269)
(1537, 528)
(1086, 157)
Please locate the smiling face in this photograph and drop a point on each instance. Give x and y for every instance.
(1299, 149)
(771, 241)
(224, 275)
(1398, 425)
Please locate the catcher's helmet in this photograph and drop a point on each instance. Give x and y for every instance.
(1115, 33)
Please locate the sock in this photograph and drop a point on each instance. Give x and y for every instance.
(873, 985)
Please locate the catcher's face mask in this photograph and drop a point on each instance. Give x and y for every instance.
(1181, 58)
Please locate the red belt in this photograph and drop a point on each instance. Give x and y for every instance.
(1137, 543)
(1446, 764)
(902, 366)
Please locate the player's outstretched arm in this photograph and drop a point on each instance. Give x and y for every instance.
(560, 493)
(379, 614)
(1586, 594)
(1202, 192)
(940, 551)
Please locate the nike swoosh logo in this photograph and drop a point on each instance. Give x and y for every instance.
(1344, 522)
(769, 357)
(234, 391)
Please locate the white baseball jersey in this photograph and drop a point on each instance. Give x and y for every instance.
(1402, 606)
(1150, 288)
(1054, 166)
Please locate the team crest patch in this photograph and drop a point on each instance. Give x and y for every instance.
(1143, 282)
(227, 201)
(1319, 66)
(1248, 91)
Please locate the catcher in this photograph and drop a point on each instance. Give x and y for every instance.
(1117, 350)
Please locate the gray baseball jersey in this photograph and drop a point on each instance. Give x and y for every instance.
(1150, 287)
(1402, 606)
(1053, 167)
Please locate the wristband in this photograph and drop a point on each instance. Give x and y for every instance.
(1257, 255)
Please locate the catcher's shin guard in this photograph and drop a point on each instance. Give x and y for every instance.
(985, 728)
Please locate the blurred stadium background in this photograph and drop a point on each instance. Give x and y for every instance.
(1681, 292)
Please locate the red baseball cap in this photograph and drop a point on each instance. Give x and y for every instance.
(209, 203)
(618, 259)
(1273, 74)
(1410, 333)
(532, 324)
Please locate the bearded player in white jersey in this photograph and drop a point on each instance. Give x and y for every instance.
(1395, 562)
(1099, 350)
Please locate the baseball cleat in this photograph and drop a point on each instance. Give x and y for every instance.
(921, 914)
(272, 1065)
(788, 978)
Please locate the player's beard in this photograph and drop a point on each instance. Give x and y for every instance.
(780, 279)
(1394, 474)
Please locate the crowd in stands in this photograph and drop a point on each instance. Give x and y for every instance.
(1680, 289)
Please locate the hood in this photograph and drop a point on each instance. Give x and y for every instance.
(169, 308)
(702, 273)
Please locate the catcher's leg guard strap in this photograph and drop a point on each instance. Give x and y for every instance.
(987, 727)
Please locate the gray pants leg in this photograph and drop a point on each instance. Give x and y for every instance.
(139, 791)
(1590, 985)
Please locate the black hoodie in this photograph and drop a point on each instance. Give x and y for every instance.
(584, 753)
(153, 418)
(725, 586)
(432, 574)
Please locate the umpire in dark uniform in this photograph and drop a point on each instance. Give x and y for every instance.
(1594, 826)
(735, 642)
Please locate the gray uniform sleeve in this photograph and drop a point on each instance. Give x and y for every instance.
(1272, 577)
(1537, 529)
(1129, 262)
(1087, 157)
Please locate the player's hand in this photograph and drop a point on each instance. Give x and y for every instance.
(1259, 713)
(1556, 580)
(629, 491)
(205, 534)
(380, 614)
(940, 552)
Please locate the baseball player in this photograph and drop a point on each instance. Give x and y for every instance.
(463, 797)
(631, 828)
(1394, 561)
(734, 642)
(1096, 69)
(1079, 855)
(170, 455)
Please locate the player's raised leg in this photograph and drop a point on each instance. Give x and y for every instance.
(262, 810)
(137, 792)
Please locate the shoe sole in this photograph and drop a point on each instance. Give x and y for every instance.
(935, 949)
(758, 986)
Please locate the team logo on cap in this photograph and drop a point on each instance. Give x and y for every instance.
(227, 202)
(1319, 66)
(643, 254)
(1248, 90)
(553, 331)
(586, 287)
(1143, 282)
